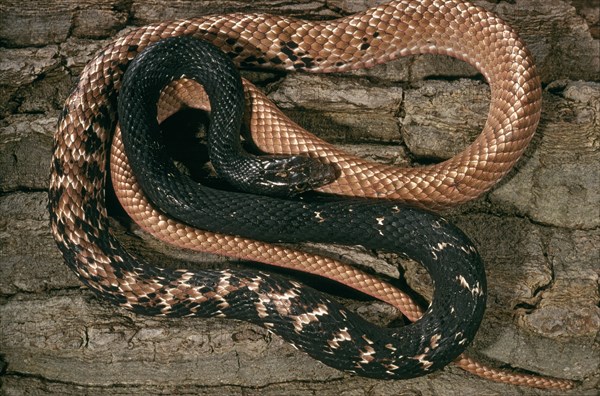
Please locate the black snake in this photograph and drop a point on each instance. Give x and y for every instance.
(309, 321)
(451, 259)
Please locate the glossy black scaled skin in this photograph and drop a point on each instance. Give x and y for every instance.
(271, 175)
(455, 267)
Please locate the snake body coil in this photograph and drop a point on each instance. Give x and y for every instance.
(311, 322)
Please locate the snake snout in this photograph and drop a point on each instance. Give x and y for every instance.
(289, 176)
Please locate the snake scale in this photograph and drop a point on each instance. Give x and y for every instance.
(308, 320)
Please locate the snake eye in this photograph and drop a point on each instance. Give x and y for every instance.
(301, 187)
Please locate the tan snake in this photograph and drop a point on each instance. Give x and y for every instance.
(452, 28)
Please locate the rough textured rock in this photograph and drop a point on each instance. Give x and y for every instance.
(25, 151)
(336, 108)
(559, 183)
(441, 118)
(538, 231)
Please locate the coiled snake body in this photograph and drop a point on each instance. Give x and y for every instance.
(305, 318)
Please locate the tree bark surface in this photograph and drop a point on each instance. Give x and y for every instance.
(538, 230)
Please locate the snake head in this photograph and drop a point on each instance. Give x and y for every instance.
(292, 175)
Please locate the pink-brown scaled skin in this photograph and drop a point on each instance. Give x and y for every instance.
(169, 230)
(451, 28)
(275, 133)
(175, 233)
(396, 29)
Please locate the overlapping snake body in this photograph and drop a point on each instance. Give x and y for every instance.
(311, 322)
(308, 320)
